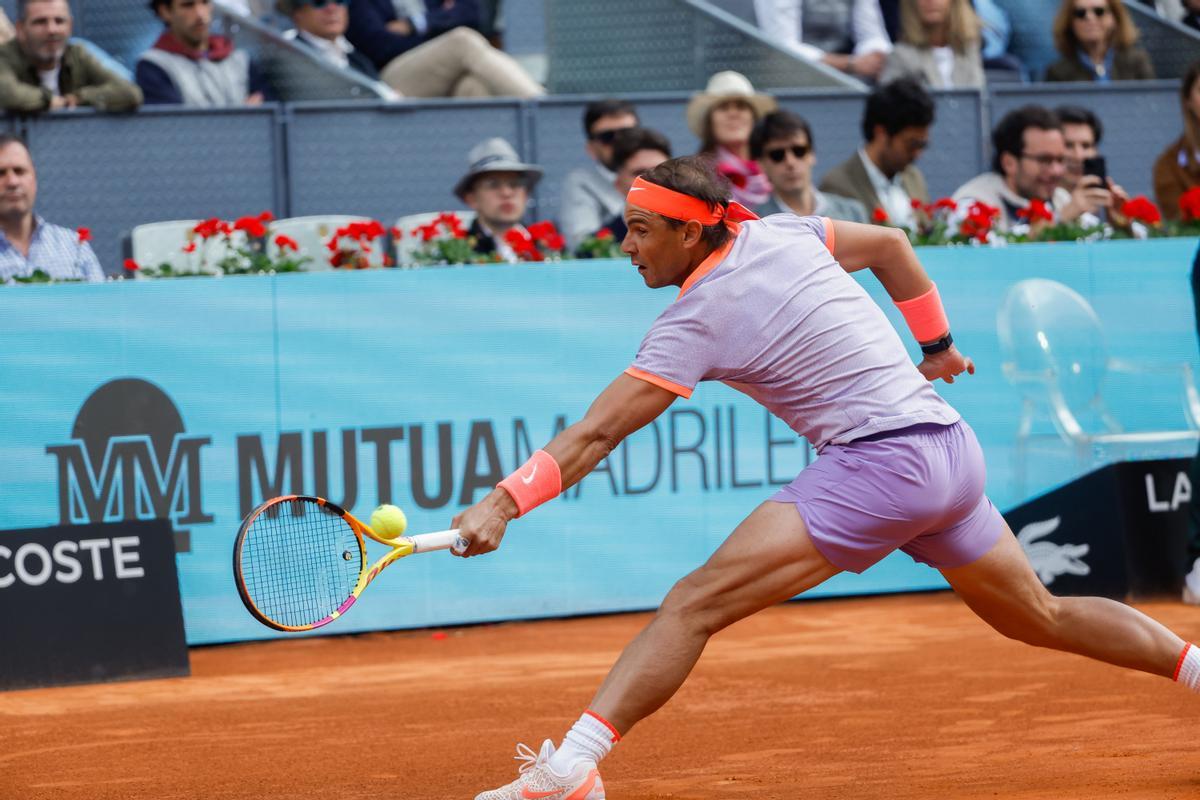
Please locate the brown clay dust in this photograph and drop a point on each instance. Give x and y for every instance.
(895, 698)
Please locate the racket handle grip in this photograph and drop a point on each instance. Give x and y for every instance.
(439, 540)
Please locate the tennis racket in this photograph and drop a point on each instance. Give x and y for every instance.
(300, 562)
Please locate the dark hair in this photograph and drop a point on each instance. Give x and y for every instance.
(696, 176)
(23, 8)
(778, 125)
(608, 107)
(901, 104)
(11, 138)
(1009, 134)
(1078, 115)
(1191, 125)
(628, 143)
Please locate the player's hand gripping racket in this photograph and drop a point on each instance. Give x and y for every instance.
(300, 562)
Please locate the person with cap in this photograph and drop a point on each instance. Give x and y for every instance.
(321, 26)
(496, 186)
(770, 308)
(723, 116)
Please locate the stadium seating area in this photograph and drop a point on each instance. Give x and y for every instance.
(335, 146)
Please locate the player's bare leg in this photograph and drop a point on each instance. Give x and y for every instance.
(1002, 588)
(768, 558)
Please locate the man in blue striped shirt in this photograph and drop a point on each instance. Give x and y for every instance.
(27, 242)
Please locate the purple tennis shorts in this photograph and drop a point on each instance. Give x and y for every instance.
(919, 489)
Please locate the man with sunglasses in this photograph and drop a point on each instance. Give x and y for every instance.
(589, 194)
(321, 25)
(1029, 163)
(782, 144)
(883, 174)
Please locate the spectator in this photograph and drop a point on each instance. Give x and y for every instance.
(1191, 18)
(188, 66)
(848, 35)
(321, 25)
(723, 115)
(497, 186)
(635, 152)
(882, 174)
(28, 242)
(939, 45)
(40, 70)
(1081, 131)
(1096, 40)
(782, 144)
(1177, 168)
(1029, 163)
(436, 53)
(589, 194)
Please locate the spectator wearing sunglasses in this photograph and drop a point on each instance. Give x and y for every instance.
(782, 144)
(635, 151)
(321, 25)
(1096, 40)
(589, 194)
(882, 174)
(436, 52)
(1029, 163)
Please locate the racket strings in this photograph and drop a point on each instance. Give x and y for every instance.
(300, 562)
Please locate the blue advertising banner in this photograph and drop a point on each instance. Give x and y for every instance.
(194, 399)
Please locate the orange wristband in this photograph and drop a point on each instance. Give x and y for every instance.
(925, 316)
(539, 479)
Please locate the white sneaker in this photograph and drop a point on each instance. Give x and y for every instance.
(538, 782)
(1191, 586)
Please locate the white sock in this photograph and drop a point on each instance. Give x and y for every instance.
(1188, 670)
(590, 739)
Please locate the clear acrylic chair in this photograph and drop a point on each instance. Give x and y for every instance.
(1055, 354)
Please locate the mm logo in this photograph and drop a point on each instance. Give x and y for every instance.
(128, 459)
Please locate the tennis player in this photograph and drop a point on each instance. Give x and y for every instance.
(767, 307)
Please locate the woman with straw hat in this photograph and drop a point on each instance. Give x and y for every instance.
(723, 115)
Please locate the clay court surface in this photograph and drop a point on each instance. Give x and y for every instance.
(891, 697)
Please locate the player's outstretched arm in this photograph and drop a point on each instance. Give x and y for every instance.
(889, 255)
(626, 405)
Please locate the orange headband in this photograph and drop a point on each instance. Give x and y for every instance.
(683, 207)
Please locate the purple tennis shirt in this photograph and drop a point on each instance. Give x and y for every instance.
(773, 315)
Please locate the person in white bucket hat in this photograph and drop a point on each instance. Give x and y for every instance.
(723, 116)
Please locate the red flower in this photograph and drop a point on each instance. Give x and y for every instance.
(979, 220)
(879, 216)
(1141, 209)
(286, 243)
(916, 204)
(266, 216)
(1189, 204)
(209, 228)
(1036, 210)
(388, 261)
(131, 265)
(190, 247)
(946, 203)
(396, 232)
(604, 234)
(253, 226)
(85, 235)
(555, 242)
(337, 258)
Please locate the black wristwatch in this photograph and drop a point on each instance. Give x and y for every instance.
(940, 346)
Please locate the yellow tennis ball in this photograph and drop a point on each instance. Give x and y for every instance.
(389, 521)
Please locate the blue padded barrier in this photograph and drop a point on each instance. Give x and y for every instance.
(1140, 119)
(110, 173)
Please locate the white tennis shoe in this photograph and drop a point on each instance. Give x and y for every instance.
(538, 782)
